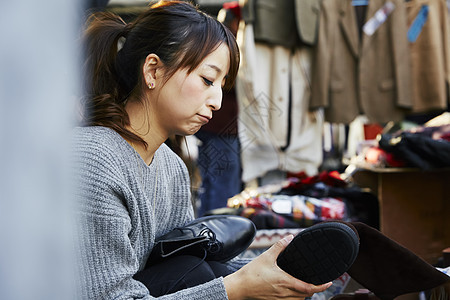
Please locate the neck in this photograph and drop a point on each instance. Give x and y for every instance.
(141, 124)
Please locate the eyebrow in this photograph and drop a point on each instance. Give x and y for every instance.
(216, 68)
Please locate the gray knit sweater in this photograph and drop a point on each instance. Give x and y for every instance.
(124, 205)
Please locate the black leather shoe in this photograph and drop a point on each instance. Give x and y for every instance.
(228, 235)
(218, 238)
(320, 253)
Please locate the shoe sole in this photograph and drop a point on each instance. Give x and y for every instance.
(320, 253)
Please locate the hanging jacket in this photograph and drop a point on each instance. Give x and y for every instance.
(370, 75)
(276, 129)
(430, 55)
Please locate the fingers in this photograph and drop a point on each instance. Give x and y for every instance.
(322, 287)
(279, 246)
(285, 284)
(308, 289)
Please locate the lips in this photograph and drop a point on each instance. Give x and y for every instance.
(204, 119)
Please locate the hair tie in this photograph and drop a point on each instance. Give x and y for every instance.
(120, 43)
(123, 37)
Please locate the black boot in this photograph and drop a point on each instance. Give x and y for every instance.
(388, 269)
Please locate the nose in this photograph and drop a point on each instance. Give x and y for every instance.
(215, 101)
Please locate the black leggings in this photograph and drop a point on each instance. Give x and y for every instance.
(178, 273)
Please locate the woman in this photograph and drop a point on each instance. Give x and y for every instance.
(158, 76)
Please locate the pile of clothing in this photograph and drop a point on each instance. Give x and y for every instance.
(426, 147)
(301, 201)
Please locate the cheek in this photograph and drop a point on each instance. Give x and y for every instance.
(191, 91)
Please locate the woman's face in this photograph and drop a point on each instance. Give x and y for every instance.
(187, 101)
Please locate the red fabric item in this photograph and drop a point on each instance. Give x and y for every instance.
(371, 131)
(234, 7)
(331, 178)
(377, 156)
(446, 136)
(394, 162)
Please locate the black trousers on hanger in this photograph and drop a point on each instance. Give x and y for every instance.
(178, 273)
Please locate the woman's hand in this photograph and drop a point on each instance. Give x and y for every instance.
(263, 279)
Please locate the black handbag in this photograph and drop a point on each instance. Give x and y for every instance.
(218, 238)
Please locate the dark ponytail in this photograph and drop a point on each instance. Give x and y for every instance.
(104, 105)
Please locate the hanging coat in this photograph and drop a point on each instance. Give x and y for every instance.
(370, 75)
(430, 55)
(276, 129)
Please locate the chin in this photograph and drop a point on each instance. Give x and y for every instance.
(190, 131)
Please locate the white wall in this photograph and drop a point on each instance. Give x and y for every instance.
(38, 83)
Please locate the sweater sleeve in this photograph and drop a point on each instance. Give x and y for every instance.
(107, 258)
(110, 264)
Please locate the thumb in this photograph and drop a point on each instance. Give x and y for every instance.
(279, 246)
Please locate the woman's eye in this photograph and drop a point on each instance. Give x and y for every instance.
(208, 82)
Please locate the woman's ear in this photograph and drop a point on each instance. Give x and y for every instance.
(151, 64)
